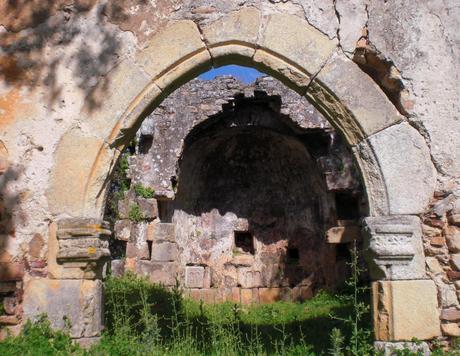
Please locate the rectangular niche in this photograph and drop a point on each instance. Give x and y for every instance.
(244, 242)
(293, 255)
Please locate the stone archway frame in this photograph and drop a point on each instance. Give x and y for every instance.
(393, 157)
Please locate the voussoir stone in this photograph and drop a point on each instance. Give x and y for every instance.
(233, 35)
(402, 154)
(175, 55)
(370, 107)
(296, 40)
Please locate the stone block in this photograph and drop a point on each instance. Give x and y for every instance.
(148, 207)
(396, 168)
(455, 261)
(117, 268)
(7, 287)
(453, 238)
(247, 296)
(450, 314)
(235, 295)
(150, 232)
(122, 230)
(433, 265)
(394, 245)
(248, 278)
(243, 260)
(454, 219)
(270, 295)
(369, 104)
(404, 310)
(164, 273)
(74, 157)
(294, 38)
(113, 101)
(11, 271)
(9, 305)
(208, 295)
(450, 329)
(164, 252)
(438, 241)
(131, 250)
(9, 320)
(234, 34)
(173, 43)
(164, 232)
(194, 276)
(79, 301)
(123, 207)
(300, 294)
(343, 234)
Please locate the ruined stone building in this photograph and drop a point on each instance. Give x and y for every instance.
(256, 196)
(78, 79)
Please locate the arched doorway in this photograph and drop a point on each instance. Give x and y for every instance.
(389, 152)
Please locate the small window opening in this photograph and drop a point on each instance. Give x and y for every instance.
(244, 242)
(149, 245)
(293, 254)
(342, 253)
(145, 143)
(347, 206)
(165, 210)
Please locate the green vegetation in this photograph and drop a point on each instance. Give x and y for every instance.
(120, 185)
(146, 319)
(135, 213)
(143, 192)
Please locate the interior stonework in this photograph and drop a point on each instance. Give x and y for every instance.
(262, 196)
(78, 78)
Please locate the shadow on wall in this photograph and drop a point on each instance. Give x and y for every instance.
(8, 203)
(39, 34)
(248, 177)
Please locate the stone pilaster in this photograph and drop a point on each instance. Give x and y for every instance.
(404, 301)
(77, 251)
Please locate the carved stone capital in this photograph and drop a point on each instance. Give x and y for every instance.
(82, 247)
(394, 247)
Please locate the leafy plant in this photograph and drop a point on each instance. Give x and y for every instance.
(38, 338)
(359, 342)
(143, 192)
(337, 341)
(135, 213)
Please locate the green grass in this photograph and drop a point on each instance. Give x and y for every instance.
(147, 319)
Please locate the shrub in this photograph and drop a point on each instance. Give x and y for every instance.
(38, 338)
(135, 213)
(143, 192)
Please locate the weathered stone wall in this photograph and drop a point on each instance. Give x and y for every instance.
(76, 77)
(225, 158)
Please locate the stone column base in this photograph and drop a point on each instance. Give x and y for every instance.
(404, 310)
(78, 301)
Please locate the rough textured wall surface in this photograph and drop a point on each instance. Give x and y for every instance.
(59, 61)
(235, 164)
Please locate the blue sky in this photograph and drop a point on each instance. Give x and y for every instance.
(245, 74)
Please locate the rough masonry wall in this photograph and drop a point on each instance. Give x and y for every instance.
(225, 158)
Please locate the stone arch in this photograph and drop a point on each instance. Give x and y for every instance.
(393, 158)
